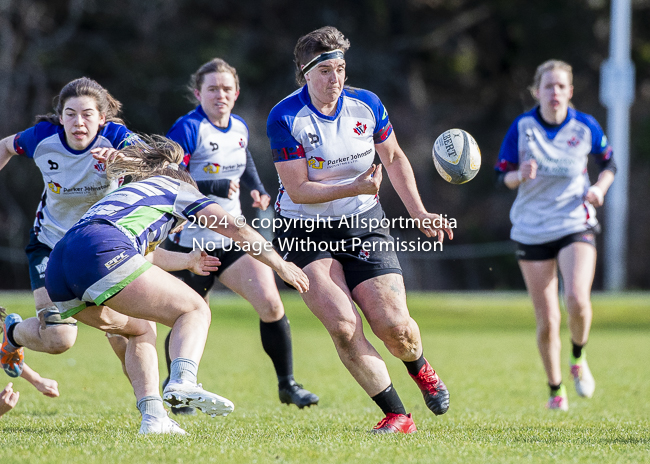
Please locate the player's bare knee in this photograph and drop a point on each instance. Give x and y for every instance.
(577, 302)
(58, 339)
(343, 335)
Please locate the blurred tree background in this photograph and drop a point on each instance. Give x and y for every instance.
(436, 64)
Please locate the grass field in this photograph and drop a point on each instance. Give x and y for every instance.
(482, 344)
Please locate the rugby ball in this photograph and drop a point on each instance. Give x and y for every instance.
(457, 156)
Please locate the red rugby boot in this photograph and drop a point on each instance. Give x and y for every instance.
(434, 391)
(395, 423)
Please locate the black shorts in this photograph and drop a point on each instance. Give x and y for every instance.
(38, 254)
(363, 253)
(550, 250)
(203, 284)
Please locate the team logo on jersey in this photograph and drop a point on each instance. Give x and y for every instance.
(242, 143)
(313, 138)
(100, 167)
(54, 186)
(573, 142)
(116, 260)
(53, 165)
(211, 168)
(360, 129)
(214, 145)
(363, 254)
(315, 162)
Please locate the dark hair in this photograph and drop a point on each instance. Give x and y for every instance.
(321, 40)
(149, 156)
(215, 65)
(107, 105)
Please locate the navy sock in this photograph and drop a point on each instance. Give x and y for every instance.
(168, 360)
(414, 367)
(389, 401)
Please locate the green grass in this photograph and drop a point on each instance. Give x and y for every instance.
(482, 344)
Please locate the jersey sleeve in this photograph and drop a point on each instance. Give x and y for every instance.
(283, 145)
(185, 133)
(383, 127)
(25, 142)
(509, 153)
(189, 201)
(118, 135)
(601, 150)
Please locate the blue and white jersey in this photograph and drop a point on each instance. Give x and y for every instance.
(553, 204)
(211, 153)
(74, 180)
(337, 148)
(146, 211)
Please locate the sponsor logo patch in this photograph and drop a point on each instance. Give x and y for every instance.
(116, 260)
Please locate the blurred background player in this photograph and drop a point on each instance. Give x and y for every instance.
(544, 155)
(323, 138)
(217, 157)
(85, 120)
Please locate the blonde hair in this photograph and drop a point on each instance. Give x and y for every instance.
(546, 66)
(149, 156)
(107, 105)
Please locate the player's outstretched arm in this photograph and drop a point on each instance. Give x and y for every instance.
(252, 243)
(48, 387)
(401, 175)
(196, 261)
(6, 150)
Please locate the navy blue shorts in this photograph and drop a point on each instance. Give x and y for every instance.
(38, 255)
(92, 263)
(203, 284)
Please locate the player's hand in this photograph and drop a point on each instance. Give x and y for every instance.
(8, 399)
(427, 223)
(48, 387)
(527, 170)
(294, 276)
(260, 201)
(368, 183)
(595, 196)
(106, 155)
(202, 263)
(233, 189)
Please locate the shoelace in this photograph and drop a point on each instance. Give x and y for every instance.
(381, 424)
(430, 380)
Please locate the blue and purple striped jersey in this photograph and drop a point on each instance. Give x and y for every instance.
(147, 210)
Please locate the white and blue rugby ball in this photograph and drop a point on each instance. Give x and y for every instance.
(457, 156)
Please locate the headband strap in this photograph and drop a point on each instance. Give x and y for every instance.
(334, 54)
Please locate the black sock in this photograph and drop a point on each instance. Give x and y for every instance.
(414, 367)
(168, 360)
(10, 336)
(577, 349)
(554, 388)
(389, 401)
(276, 341)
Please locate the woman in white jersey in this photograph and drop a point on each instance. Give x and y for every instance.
(85, 120)
(544, 155)
(217, 157)
(323, 138)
